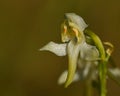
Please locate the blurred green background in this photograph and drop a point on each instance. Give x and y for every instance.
(27, 25)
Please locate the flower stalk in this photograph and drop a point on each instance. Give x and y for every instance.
(102, 67)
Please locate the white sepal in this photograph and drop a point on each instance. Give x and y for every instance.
(78, 20)
(58, 49)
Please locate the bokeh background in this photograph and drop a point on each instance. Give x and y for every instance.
(27, 25)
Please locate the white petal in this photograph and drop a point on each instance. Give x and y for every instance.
(63, 77)
(89, 52)
(78, 20)
(115, 72)
(87, 69)
(58, 49)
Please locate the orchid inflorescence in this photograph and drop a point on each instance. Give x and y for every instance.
(87, 57)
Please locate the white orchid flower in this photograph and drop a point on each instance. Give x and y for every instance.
(80, 54)
(87, 57)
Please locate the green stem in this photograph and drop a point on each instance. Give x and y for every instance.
(88, 88)
(102, 67)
